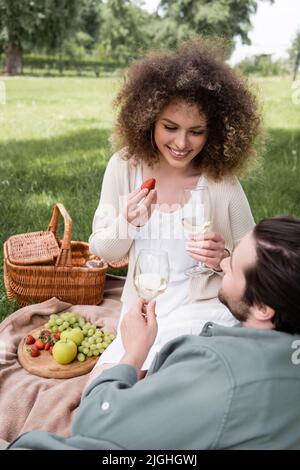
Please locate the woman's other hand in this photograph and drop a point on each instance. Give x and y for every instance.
(207, 248)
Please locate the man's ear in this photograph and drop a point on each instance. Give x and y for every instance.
(263, 312)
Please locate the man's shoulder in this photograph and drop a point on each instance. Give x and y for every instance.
(255, 354)
(189, 349)
(247, 353)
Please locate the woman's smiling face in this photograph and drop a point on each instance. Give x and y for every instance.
(180, 133)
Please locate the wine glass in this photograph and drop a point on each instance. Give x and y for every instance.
(151, 273)
(196, 220)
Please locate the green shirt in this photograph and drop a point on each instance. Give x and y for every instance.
(229, 388)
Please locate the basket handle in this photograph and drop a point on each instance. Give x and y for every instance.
(64, 258)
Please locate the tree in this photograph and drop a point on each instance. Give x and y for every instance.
(90, 21)
(42, 23)
(295, 54)
(227, 18)
(124, 30)
(84, 40)
(262, 65)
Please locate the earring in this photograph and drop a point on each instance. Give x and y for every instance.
(153, 144)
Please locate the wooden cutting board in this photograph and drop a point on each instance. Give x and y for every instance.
(45, 366)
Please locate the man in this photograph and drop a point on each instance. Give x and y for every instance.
(229, 388)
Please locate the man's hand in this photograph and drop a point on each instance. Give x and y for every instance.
(138, 331)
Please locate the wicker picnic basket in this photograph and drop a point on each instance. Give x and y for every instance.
(38, 266)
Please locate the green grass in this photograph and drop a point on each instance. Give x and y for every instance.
(275, 189)
(54, 146)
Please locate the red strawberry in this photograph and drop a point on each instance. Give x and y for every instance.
(35, 352)
(34, 346)
(39, 343)
(30, 339)
(51, 349)
(56, 336)
(47, 346)
(149, 184)
(45, 335)
(45, 332)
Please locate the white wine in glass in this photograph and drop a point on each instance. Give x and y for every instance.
(196, 220)
(151, 273)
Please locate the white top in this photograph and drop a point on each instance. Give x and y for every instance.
(176, 315)
(164, 231)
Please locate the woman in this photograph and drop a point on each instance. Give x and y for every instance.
(187, 120)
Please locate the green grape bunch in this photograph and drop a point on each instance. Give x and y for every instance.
(71, 325)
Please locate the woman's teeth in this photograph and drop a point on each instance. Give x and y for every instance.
(177, 153)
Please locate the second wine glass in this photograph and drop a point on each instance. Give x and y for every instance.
(151, 273)
(196, 220)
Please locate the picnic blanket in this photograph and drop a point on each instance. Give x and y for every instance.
(30, 402)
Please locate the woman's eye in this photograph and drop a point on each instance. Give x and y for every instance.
(173, 129)
(197, 132)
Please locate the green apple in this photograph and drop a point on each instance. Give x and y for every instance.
(75, 335)
(64, 351)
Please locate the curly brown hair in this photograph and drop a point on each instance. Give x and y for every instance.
(195, 75)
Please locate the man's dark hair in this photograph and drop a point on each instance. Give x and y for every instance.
(274, 279)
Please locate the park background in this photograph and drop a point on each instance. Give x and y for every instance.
(61, 64)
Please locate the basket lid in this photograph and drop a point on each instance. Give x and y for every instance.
(33, 248)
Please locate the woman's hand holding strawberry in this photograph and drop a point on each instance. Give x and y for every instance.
(140, 204)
